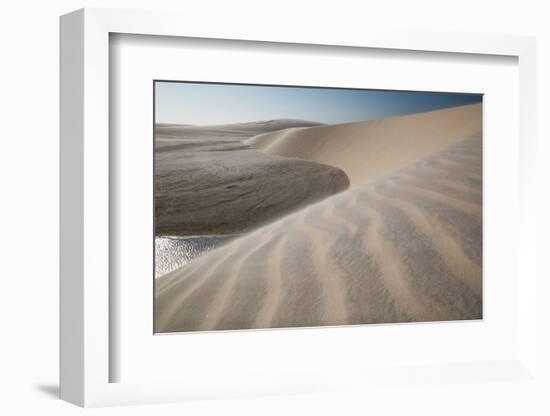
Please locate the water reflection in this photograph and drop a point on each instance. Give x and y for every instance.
(172, 252)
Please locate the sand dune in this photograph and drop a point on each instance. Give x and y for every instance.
(373, 148)
(227, 131)
(404, 244)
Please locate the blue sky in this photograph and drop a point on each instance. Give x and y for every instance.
(211, 104)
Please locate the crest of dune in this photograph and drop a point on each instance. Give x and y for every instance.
(368, 149)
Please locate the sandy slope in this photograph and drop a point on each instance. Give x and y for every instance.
(404, 246)
(369, 149)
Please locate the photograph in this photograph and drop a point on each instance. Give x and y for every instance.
(279, 206)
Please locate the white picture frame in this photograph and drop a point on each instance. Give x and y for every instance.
(86, 355)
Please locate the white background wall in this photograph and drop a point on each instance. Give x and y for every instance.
(29, 56)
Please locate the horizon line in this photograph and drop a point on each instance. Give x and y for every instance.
(312, 121)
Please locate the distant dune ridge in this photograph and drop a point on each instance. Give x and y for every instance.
(240, 130)
(403, 244)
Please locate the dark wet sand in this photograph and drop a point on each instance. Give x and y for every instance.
(208, 181)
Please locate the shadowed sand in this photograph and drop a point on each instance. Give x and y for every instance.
(403, 244)
(208, 181)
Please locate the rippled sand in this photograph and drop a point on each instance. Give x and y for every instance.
(401, 246)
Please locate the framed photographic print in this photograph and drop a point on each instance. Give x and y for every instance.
(271, 213)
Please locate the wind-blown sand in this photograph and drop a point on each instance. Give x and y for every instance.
(403, 244)
(208, 181)
(373, 148)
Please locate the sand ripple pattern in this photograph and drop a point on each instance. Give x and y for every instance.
(403, 247)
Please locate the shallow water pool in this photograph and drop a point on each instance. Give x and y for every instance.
(172, 252)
